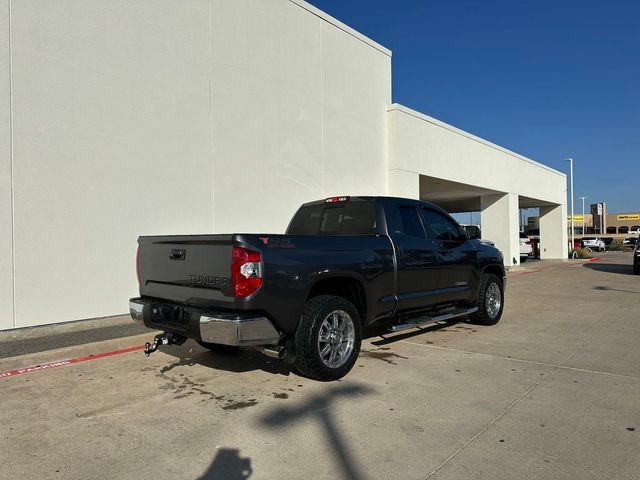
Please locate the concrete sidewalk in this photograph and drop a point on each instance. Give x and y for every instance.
(551, 392)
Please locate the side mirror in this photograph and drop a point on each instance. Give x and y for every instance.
(472, 232)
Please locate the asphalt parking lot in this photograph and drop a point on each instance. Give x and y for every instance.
(553, 391)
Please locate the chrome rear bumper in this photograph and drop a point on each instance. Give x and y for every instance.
(209, 326)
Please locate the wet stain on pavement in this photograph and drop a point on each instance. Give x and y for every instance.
(182, 387)
(183, 362)
(183, 395)
(239, 405)
(384, 356)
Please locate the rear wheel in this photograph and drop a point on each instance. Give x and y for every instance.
(218, 347)
(328, 338)
(523, 259)
(636, 269)
(490, 301)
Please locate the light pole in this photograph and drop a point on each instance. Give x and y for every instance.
(570, 160)
(583, 214)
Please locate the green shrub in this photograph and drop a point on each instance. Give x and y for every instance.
(616, 246)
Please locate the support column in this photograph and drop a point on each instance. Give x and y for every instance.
(500, 224)
(553, 232)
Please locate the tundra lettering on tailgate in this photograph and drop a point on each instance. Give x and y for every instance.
(210, 280)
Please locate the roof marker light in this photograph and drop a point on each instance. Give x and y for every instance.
(336, 199)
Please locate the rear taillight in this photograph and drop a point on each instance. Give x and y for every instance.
(246, 271)
(138, 264)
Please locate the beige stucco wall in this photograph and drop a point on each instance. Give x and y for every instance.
(111, 140)
(298, 112)
(424, 145)
(165, 116)
(6, 221)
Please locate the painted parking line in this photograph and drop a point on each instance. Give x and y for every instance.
(71, 361)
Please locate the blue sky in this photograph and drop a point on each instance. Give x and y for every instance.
(548, 79)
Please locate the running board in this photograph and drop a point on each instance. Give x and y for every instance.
(458, 312)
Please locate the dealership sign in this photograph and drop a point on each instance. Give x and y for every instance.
(629, 216)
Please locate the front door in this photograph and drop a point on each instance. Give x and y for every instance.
(457, 279)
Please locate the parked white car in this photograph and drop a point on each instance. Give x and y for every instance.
(526, 248)
(594, 243)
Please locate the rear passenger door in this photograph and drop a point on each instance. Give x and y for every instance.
(457, 279)
(416, 257)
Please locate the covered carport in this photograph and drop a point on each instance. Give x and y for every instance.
(432, 161)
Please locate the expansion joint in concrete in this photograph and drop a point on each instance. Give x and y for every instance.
(512, 405)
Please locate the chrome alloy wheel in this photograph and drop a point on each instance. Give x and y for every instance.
(493, 300)
(336, 339)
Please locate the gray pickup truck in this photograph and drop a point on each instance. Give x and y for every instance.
(305, 296)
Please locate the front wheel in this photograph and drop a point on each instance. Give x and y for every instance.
(328, 338)
(490, 301)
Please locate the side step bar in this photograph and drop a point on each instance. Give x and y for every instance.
(458, 312)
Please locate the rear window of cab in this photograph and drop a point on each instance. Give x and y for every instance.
(351, 217)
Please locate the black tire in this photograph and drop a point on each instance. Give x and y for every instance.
(483, 315)
(308, 358)
(219, 348)
(523, 259)
(636, 269)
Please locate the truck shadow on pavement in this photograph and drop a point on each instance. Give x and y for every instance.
(242, 360)
(248, 359)
(603, 288)
(318, 408)
(621, 269)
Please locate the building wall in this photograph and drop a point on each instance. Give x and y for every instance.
(628, 219)
(614, 220)
(426, 146)
(166, 116)
(298, 112)
(6, 216)
(111, 140)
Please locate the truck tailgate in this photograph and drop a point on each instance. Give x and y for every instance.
(189, 269)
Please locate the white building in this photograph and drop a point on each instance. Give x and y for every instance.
(134, 117)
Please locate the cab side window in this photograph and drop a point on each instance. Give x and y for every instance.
(410, 221)
(440, 227)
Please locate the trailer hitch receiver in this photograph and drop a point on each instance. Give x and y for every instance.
(163, 339)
